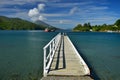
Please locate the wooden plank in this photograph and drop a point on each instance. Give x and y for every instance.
(66, 64)
(72, 65)
(67, 78)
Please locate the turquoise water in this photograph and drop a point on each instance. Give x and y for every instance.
(21, 55)
(101, 51)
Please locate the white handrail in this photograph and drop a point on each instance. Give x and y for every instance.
(50, 48)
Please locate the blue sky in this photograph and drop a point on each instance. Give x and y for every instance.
(63, 13)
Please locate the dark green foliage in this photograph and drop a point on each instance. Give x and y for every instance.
(96, 28)
(18, 24)
(104, 27)
(117, 23)
(85, 27)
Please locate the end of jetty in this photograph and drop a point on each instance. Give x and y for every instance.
(63, 62)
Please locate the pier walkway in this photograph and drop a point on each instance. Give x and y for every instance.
(67, 64)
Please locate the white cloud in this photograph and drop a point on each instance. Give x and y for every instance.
(41, 18)
(21, 2)
(48, 0)
(36, 13)
(11, 2)
(33, 12)
(54, 14)
(11, 10)
(22, 15)
(34, 18)
(73, 10)
(99, 8)
(65, 21)
(64, 4)
(70, 4)
(60, 21)
(61, 12)
(41, 6)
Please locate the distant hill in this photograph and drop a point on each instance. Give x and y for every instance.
(41, 23)
(102, 28)
(7, 23)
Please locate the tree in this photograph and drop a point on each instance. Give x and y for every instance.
(117, 23)
(85, 27)
(103, 27)
(78, 27)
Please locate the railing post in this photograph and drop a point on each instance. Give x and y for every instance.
(55, 43)
(44, 67)
(50, 53)
(52, 45)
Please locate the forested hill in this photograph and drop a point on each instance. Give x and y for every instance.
(102, 28)
(18, 24)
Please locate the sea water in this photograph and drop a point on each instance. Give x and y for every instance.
(101, 51)
(21, 54)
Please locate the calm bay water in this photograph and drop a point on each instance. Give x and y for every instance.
(21, 55)
(101, 51)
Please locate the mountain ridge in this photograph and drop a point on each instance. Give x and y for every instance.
(7, 23)
(41, 23)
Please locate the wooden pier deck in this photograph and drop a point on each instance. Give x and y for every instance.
(66, 64)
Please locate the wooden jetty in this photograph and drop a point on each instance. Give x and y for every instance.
(63, 61)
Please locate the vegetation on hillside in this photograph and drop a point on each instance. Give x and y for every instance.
(117, 23)
(80, 27)
(18, 24)
(104, 27)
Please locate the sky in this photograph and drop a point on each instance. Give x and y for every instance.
(63, 13)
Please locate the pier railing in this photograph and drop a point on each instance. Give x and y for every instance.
(49, 51)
